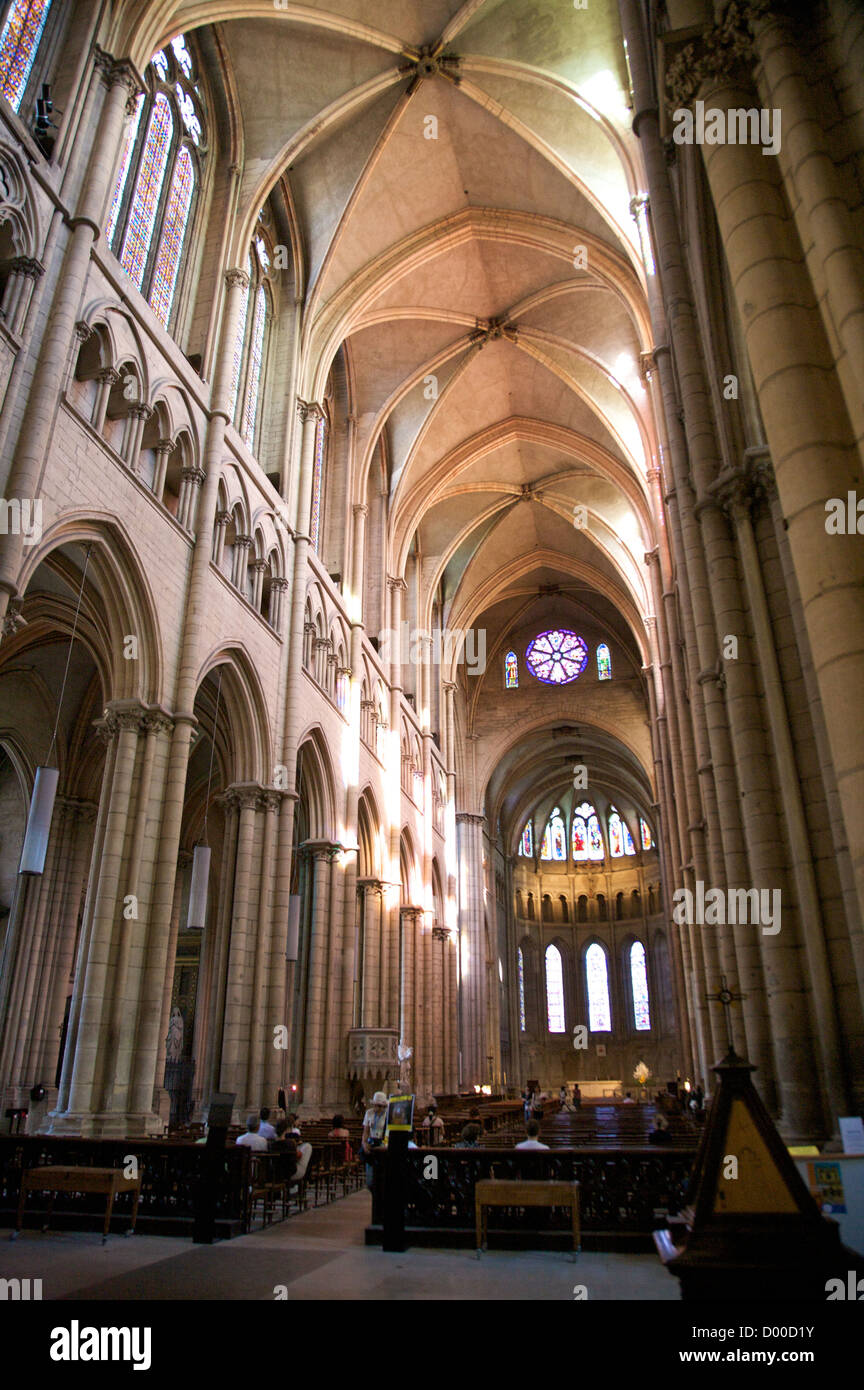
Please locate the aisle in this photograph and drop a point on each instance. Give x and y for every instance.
(318, 1255)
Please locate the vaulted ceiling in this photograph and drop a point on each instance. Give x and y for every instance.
(461, 177)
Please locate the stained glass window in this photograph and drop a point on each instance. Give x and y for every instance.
(317, 481)
(554, 838)
(521, 968)
(593, 834)
(173, 233)
(579, 838)
(645, 833)
(256, 357)
(182, 54)
(639, 987)
(263, 253)
(629, 847)
(557, 656)
(597, 978)
(554, 990)
(145, 201)
(511, 671)
(616, 837)
(604, 663)
(526, 844)
(120, 186)
(240, 340)
(19, 42)
(155, 189)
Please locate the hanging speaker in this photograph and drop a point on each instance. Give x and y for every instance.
(293, 943)
(198, 888)
(39, 821)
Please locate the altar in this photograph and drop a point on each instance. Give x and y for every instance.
(599, 1090)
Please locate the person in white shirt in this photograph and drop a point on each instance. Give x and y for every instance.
(532, 1129)
(252, 1139)
(265, 1129)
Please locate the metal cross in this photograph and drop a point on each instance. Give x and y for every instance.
(727, 998)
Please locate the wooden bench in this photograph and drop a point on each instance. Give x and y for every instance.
(519, 1192)
(109, 1181)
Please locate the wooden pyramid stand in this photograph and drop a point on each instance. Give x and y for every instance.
(760, 1235)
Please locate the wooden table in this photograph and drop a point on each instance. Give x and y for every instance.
(109, 1181)
(518, 1192)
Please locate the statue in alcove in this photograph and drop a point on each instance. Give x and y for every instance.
(174, 1040)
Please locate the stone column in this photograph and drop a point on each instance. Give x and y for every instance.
(150, 1045)
(261, 1033)
(107, 378)
(24, 271)
(259, 569)
(222, 523)
(164, 449)
(322, 853)
(136, 419)
(803, 409)
(242, 546)
(187, 506)
(278, 589)
(472, 946)
(238, 1025)
(50, 371)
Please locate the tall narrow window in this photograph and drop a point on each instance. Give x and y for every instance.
(521, 964)
(639, 987)
(616, 835)
(579, 837)
(604, 663)
(256, 357)
(593, 837)
(554, 990)
(240, 341)
(554, 838)
(158, 178)
(526, 844)
(19, 41)
(511, 671)
(597, 980)
(629, 847)
(318, 482)
(645, 833)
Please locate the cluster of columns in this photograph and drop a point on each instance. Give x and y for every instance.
(733, 812)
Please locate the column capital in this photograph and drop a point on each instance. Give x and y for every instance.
(395, 583)
(163, 446)
(309, 410)
(370, 885)
(242, 542)
(236, 278)
(13, 618)
(652, 557)
(26, 265)
(277, 582)
(119, 72)
(109, 375)
(223, 518)
(324, 850)
(361, 509)
(723, 50)
(469, 818)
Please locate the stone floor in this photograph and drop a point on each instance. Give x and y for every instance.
(318, 1255)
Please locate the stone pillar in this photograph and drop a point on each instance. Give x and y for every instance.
(164, 449)
(804, 413)
(24, 271)
(278, 589)
(222, 522)
(238, 1025)
(136, 419)
(259, 568)
(322, 854)
(187, 506)
(107, 378)
(242, 546)
(472, 947)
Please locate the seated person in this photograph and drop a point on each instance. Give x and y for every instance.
(469, 1138)
(304, 1153)
(339, 1131)
(252, 1139)
(532, 1129)
(660, 1133)
(265, 1128)
(628, 1100)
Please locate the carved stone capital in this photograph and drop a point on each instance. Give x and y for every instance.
(723, 51)
(117, 73)
(469, 818)
(361, 509)
(26, 265)
(242, 542)
(13, 618)
(309, 410)
(223, 518)
(278, 583)
(236, 278)
(440, 933)
(108, 375)
(395, 584)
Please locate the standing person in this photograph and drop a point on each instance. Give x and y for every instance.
(537, 1105)
(577, 1096)
(340, 1132)
(435, 1125)
(374, 1127)
(526, 1104)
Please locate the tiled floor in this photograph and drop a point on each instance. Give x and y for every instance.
(319, 1255)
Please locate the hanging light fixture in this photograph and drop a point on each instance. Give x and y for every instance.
(41, 809)
(197, 912)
